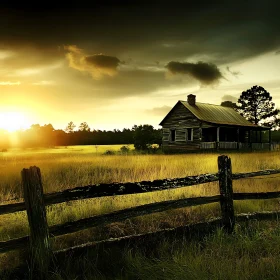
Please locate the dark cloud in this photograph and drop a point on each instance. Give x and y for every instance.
(225, 31)
(98, 65)
(103, 61)
(205, 73)
(218, 31)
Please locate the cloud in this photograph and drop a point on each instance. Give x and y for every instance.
(98, 65)
(44, 83)
(205, 73)
(8, 83)
(159, 111)
(223, 31)
(228, 97)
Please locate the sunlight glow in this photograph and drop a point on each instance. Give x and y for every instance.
(12, 121)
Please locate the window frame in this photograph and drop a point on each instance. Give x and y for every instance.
(170, 137)
(191, 134)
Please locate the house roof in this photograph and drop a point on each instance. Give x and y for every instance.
(217, 114)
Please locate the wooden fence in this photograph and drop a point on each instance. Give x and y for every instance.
(35, 202)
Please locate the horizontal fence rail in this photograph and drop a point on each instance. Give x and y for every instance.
(40, 231)
(23, 242)
(116, 216)
(101, 190)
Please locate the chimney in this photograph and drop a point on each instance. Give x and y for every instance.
(191, 99)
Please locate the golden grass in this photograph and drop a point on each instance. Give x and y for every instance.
(70, 167)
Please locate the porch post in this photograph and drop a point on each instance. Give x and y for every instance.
(249, 139)
(238, 138)
(218, 138)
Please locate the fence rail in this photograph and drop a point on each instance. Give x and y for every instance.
(101, 190)
(35, 201)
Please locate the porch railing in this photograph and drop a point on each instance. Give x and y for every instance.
(208, 145)
(228, 145)
(241, 146)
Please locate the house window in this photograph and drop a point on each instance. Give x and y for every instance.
(172, 135)
(189, 134)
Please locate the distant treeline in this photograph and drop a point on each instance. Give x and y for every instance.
(46, 135)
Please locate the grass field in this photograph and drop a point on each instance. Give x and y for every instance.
(68, 167)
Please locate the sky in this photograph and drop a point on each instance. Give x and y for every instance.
(114, 64)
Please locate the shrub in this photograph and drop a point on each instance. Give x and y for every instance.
(109, 152)
(124, 149)
(153, 148)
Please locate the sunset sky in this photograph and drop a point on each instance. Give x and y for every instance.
(118, 63)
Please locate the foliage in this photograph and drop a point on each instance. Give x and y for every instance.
(47, 136)
(70, 127)
(153, 148)
(145, 135)
(124, 149)
(256, 105)
(109, 152)
(84, 127)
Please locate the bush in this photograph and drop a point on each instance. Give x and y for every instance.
(4, 150)
(109, 152)
(124, 149)
(153, 148)
(144, 135)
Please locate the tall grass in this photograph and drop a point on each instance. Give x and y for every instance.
(70, 167)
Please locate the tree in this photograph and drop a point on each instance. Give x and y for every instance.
(256, 105)
(143, 136)
(70, 127)
(84, 127)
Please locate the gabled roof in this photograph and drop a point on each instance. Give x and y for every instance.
(216, 114)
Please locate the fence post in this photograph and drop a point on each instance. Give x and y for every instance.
(225, 184)
(39, 231)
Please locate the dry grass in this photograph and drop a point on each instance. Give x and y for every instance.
(70, 167)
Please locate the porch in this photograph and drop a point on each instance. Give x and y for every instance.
(236, 138)
(237, 146)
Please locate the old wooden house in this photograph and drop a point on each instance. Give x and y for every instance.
(191, 125)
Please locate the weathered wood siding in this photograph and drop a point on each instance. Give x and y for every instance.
(180, 119)
(181, 135)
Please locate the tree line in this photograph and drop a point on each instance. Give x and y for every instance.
(255, 104)
(47, 136)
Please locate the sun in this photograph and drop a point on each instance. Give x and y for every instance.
(12, 121)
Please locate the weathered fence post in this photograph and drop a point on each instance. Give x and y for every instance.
(39, 231)
(225, 184)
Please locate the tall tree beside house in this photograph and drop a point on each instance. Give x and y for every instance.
(255, 104)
